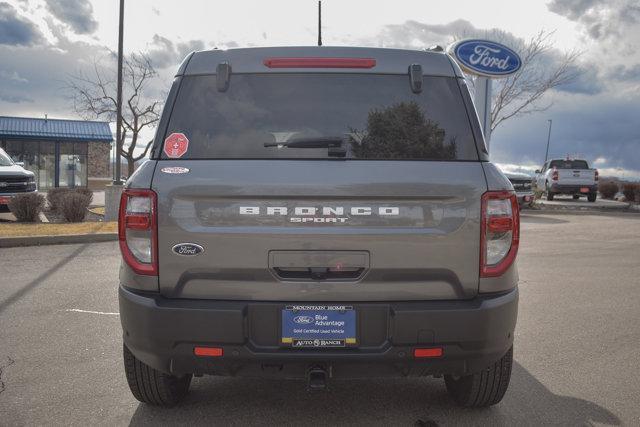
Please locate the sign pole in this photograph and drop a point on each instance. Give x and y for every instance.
(546, 154)
(483, 104)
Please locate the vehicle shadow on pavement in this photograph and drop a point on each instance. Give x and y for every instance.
(420, 402)
(40, 279)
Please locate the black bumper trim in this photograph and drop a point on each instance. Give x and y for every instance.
(162, 333)
(572, 189)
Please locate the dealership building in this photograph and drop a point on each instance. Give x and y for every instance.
(61, 153)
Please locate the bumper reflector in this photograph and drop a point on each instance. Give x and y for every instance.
(208, 351)
(427, 352)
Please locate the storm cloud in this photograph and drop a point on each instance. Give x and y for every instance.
(15, 30)
(165, 53)
(76, 14)
(600, 19)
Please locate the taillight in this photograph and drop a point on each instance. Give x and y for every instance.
(596, 175)
(138, 232)
(500, 232)
(313, 62)
(427, 352)
(554, 174)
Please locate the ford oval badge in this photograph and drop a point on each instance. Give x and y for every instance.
(304, 320)
(187, 249)
(485, 58)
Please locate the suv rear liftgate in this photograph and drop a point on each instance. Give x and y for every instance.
(319, 212)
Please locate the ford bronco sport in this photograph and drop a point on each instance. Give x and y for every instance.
(318, 213)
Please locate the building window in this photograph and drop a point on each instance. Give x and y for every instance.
(40, 158)
(47, 165)
(73, 165)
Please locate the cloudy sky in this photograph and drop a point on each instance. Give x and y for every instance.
(43, 42)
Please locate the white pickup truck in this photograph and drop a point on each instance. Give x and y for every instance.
(567, 176)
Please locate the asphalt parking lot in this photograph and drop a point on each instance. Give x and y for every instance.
(577, 346)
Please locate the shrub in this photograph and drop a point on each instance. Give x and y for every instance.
(74, 206)
(608, 189)
(54, 197)
(26, 207)
(85, 192)
(631, 191)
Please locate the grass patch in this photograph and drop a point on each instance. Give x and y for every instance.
(48, 229)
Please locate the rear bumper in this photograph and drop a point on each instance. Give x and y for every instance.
(163, 332)
(572, 189)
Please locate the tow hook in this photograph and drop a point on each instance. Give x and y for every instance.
(317, 377)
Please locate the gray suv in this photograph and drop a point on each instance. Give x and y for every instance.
(319, 213)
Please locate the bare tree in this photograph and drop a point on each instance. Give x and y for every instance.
(94, 96)
(543, 68)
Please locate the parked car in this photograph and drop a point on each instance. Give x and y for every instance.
(522, 184)
(318, 213)
(567, 176)
(14, 179)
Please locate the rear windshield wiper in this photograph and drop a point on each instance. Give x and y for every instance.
(309, 142)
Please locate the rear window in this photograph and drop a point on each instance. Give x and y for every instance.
(353, 116)
(569, 164)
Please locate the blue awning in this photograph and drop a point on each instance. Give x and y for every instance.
(54, 129)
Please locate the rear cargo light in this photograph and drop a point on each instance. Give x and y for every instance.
(138, 232)
(596, 175)
(427, 352)
(208, 351)
(499, 232)
(311, 62)
(554, 174)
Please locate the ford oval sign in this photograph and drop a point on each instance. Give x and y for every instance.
(485, 58)
(187, 249)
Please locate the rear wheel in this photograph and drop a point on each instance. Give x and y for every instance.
(592, 197)
(549, 192)
(484, 388)
(151, 386)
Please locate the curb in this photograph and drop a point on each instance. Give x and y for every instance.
(592, 211)
(12, 242)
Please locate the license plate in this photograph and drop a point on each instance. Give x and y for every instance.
(318, 326)
(584, 190)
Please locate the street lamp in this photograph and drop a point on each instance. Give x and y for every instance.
(119, 141)
(546, 154)
(113, 192)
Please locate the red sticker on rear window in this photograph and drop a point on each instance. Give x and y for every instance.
(176, 145)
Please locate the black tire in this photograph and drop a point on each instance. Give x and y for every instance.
(549, 193)
(592, 197)
(484, 388)
(151, 386)
(576, 196)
